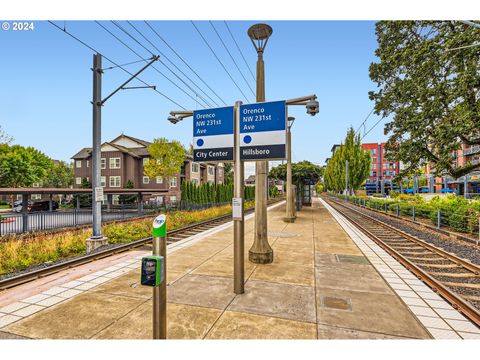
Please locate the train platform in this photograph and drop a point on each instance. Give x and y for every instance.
(326, 282)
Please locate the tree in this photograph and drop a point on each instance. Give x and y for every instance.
(228, 173)
(301, 172)
(85, 199)
(166, 159)
(4, 137)
(128, 198)
(22, 166)
(431, 93)
(60, 175)
(358, 164)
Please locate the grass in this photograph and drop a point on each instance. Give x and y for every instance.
(19, 254)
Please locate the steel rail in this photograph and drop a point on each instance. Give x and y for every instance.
(457, 302)
(464, 263)
(84, 259)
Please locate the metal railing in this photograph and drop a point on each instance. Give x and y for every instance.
(459, 220)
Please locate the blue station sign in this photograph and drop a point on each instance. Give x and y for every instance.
(213, 134)
(263, 131)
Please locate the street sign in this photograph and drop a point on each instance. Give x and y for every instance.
(213, 134)
(263, 133)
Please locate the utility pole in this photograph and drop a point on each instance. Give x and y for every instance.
(97, 239)
(346, 178)
(260, 252)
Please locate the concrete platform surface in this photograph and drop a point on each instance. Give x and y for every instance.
(320, 286)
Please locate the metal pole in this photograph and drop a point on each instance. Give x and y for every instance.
(465, 187)
(413, 213)
(238, 224)
(438, 219)
(97, 238)
(290, 203)
(346, 178)
(260, 252)
(160, 292)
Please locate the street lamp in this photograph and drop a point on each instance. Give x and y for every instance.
(260, 252)
(290, 215)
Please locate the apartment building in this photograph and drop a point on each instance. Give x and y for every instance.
(469, 183)
(382, 171)
(123, 159)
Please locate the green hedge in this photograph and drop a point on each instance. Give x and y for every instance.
(456, 212)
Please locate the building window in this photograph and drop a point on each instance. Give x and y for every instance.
(195, 181)
(374, 166)
(103, 181)
(173, 181)
(88, 163)
(211, 170)
(114, 163)
(78, 181)
(195, 167)
(220, 171)
(36, 184)
(173, 199)
(36, 196)
(78, 164)
(145, 160)
(103, 163)
(146, 180)
(374, 151)
(159, 180)
(374, 160)
(114, 181)
(115, 199)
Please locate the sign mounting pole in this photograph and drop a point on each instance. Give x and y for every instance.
(237, 210)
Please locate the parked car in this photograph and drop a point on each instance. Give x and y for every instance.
(17, 206)
(43, 206)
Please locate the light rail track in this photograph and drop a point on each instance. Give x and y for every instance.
(172, 237)
(455, 279)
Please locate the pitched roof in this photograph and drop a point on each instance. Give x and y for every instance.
(140, 141)
(82, 154)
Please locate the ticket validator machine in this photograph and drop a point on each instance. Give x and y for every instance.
(154, 274)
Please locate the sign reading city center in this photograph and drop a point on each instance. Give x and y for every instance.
(263, 131)
(213, 134)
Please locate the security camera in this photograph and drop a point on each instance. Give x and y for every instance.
(312, 107)
(173, 119)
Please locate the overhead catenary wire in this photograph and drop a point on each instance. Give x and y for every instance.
(114, 63)
(374, 125)
(231, 57)
(183, 60)
(240, 51)
(176, 67)
(221, 63)
(205, 103)
(365, 120)
(141, 57)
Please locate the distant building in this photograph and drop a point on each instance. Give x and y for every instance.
(123, 159)
(469, 183)
(382, 171)
(250, 181)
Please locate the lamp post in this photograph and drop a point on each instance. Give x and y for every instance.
(290, 216)
(260, 252)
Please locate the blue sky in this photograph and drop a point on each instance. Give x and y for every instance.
(47, 82)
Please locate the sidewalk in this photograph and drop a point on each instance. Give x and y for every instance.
(319, 286)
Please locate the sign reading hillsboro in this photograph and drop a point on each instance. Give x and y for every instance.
(263, 131)
(213, 134)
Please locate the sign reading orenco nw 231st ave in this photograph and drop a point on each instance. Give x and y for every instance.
(263, 129)
(213, 134)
